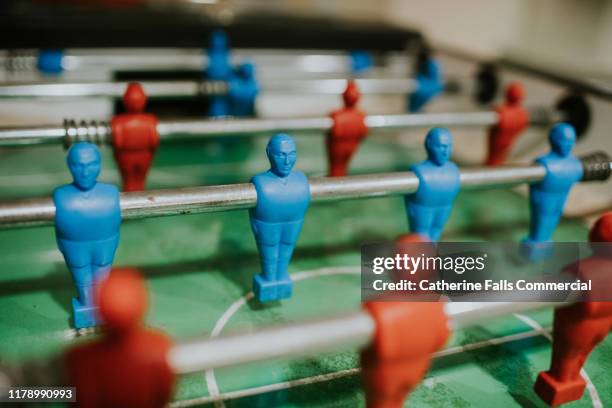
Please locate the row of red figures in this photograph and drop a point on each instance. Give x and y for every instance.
(135, 137)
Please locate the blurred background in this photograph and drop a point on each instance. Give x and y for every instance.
(574, 34)
(551, 46)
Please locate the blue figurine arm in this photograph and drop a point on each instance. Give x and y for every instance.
(304, 179)
(57, 195)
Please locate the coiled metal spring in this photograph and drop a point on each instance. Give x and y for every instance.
(20, 61)
(93, 131)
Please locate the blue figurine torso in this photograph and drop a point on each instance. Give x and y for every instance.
(438, 185)
(561, 174)
(219, 68)
(429, 85)
(87, 216)
(281, 199)
(361, 61)
(547, 197)
(242, 93)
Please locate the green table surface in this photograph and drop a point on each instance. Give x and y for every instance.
(199, 270)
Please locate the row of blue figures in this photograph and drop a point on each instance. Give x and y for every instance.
(547, 198)
(87, 221)
(88, 214)
(242, 84)
(283, 196)
(429, 207)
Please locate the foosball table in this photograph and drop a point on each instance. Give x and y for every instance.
(253, 292)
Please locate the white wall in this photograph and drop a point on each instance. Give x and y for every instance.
(574, 35)
(479, 26)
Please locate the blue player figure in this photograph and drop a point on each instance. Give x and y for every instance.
(361, 61)
(49, 61)
(243, 90)
(547, 198)
(87, 220)
(219, 69)
(283, 196)
(429, 85)
(430, 206)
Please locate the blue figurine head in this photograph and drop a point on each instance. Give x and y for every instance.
(50, 61)
(282, 154)
(246, 70)
(432, 69)
(218, 40)
(439, 145)
(84, 164)
(562, 139)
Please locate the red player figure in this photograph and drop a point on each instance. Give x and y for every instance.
(407, 334)
(513, 119)
(135, 139)
(578, 328)
(346, 133)
(415, 245)
(127, 366)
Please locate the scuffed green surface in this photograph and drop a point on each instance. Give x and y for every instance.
(197, 266)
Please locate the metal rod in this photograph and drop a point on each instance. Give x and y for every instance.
(195, 129)
(305, 61)
(112, 89)
(217, 128)
(418, 120)
(100, 132)
(29, 136)
(157, 203)
(185, 88)
(337, 86)
(352, 330)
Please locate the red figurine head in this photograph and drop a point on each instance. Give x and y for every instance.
(122, 299)
(411, 239)
(351, 94)
(134, 98)
(515, 93)
(602, 230)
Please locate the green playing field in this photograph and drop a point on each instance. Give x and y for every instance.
(199, 270)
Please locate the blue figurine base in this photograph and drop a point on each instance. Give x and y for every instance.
(270, 291)
(84, 316)
(536, 251)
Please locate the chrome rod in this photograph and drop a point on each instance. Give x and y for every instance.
(111, 89)
(337, 86)
(418, 120)
(352, 330)
(156, 203)
(31, 136)
(341, 332)
(100, 132)
(195, 129)
(303, 61)
(301, 339)
(217, 128)
(186, 88)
